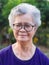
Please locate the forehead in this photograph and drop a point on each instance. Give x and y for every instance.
(25, 18)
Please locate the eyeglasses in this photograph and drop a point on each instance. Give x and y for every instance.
(28, 27)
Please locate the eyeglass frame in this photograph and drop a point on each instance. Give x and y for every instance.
(23, 26)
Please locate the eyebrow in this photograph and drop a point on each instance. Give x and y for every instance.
(24, 23)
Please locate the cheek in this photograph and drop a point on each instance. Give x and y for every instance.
(32, 33)
(15, 33)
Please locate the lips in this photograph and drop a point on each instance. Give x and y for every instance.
(23, 35)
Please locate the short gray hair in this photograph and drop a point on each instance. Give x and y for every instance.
(24, 8)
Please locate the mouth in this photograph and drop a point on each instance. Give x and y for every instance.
(22, 35)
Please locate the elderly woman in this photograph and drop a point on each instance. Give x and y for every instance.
(24, 20)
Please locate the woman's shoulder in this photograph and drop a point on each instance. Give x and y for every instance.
(42, 56)
(41, 53)
(5, 50)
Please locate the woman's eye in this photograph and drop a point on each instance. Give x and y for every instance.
(18, 25)
(27, 25)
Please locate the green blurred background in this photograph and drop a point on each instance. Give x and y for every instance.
(41, 38)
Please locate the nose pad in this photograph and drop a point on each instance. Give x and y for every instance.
(22, 28)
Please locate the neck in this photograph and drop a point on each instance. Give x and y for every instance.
(24, 46)
(24, 50)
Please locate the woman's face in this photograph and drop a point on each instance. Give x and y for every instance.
(24, 28)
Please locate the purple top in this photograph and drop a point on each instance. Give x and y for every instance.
(7, 57)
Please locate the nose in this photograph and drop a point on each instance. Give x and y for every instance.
(22, 28)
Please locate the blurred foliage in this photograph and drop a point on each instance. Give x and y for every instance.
(43, 5)
(42, 35)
